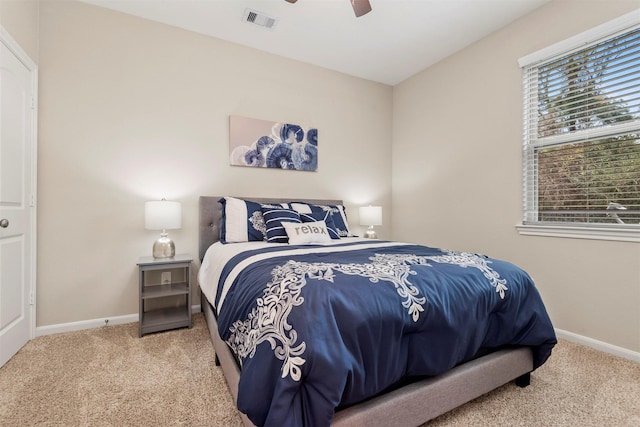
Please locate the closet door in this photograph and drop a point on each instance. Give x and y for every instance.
(17, 196)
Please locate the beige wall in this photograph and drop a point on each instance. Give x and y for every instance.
(20, 19)
(456, 179)
(132, 110)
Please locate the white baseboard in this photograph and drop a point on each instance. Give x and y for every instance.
(93, 323)
(599, 345)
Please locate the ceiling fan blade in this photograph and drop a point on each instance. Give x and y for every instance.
(291, 1)
(360, 7)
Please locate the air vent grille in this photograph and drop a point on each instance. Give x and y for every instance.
(258, 18)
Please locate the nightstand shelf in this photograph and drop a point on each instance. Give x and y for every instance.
(167, 305)
(163, 319)
(159, 291)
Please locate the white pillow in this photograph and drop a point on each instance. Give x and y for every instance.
(307, 232)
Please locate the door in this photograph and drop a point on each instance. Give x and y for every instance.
(17, 195)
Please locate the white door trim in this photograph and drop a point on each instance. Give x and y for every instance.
(22, 56)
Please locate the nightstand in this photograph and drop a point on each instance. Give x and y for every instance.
(164, 286)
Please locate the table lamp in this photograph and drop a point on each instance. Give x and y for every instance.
(163, 215)
(371, 215)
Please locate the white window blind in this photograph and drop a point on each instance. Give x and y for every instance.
(581, 150)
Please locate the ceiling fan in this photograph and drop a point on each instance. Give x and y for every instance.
(360, 7)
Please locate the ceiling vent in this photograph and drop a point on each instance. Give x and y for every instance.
(254, 17)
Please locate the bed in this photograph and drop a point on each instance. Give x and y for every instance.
(466, 365)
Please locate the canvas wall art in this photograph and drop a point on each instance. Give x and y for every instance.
(266, 144)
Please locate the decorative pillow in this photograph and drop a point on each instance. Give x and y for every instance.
(241, 221)
(338, 215)
(274, 216)
(307, 232)
(317, 214)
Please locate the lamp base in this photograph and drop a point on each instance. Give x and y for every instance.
(164, 247)
(370, 233)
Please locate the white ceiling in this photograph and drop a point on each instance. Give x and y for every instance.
(393, 42)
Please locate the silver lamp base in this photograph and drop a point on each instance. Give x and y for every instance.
(370, 233)
(164, 247)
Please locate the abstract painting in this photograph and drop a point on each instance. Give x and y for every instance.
(266, 144)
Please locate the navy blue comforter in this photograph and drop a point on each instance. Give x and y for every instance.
(316, 328)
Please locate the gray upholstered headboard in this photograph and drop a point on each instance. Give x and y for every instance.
(211, 212)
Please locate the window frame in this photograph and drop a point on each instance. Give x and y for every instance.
(615, 232)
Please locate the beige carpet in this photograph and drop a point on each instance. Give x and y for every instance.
(110, 377)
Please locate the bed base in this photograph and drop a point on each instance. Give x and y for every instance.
(413, 404)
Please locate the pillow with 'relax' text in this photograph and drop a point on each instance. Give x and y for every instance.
(307, 232)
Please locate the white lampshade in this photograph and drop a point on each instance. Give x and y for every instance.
(371, 215)
(162, 215)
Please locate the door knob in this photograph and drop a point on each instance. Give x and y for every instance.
(4, 223)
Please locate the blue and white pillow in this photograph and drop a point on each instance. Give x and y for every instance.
(337, 213)
(242, 221)
(274, 216)
(317, 214)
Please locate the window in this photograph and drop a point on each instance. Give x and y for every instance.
(581, 148)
